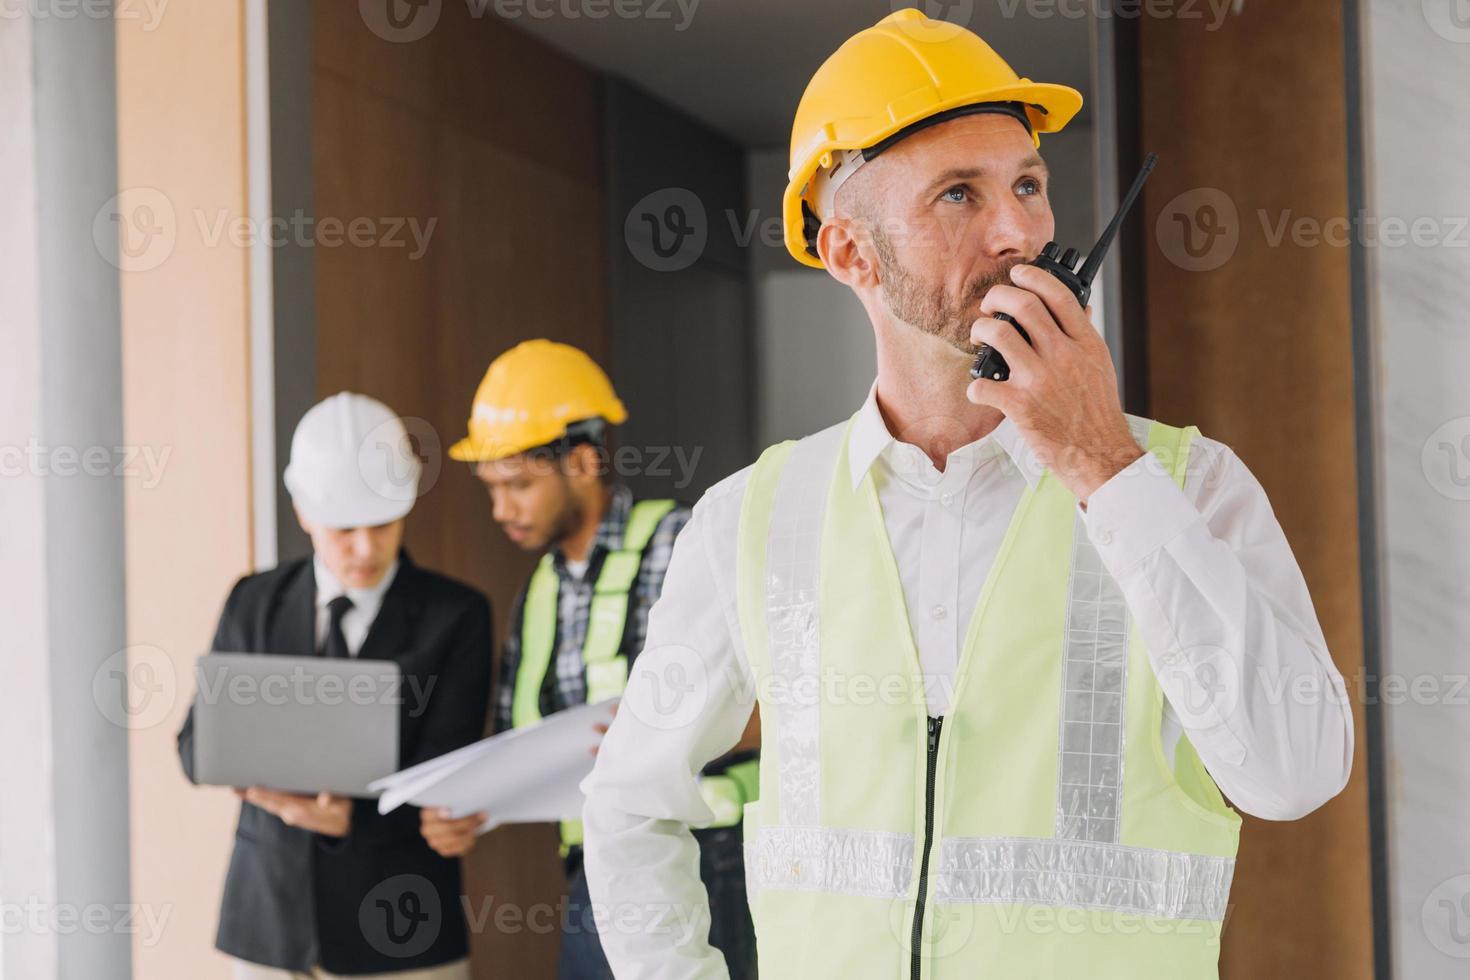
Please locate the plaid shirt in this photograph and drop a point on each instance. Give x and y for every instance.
(574, 602)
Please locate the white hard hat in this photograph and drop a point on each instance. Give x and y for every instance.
(352, 464)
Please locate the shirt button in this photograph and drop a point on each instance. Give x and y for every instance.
(1104, 536)
(938, 612)
(948, 499)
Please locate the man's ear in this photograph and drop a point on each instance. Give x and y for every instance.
(584, 462)
(846, 248)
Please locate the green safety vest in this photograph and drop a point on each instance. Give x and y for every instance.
(1036, 831)
(727, 792)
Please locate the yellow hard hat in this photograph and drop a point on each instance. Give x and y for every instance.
(529, 396)
(902, 72)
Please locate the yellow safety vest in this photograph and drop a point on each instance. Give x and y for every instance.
(726, 792)
(1037, 830)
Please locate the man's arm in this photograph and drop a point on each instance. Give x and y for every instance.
(650, 586)
(456, 836)
(510, 662)
(1222, 605)
(455, 714)
(688, 699)
(458, 697)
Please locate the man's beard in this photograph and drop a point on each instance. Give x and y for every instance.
(925, 306)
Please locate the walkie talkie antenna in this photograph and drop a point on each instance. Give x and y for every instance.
(1100, 250)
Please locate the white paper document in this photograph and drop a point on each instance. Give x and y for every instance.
(527, 775)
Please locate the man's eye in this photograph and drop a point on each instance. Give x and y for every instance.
(1029, 186)
(955, 195)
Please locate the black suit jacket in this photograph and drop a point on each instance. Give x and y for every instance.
(379, 899)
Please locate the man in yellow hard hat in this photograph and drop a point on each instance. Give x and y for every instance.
(1011, 647)
(538, 440)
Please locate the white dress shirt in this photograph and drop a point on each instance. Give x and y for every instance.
(365, 605)
(1208, 576)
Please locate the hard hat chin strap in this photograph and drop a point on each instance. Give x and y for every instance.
(825, 182)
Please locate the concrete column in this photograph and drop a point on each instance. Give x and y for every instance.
(64, 865)
(1411, 247)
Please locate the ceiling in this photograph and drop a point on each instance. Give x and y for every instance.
(740, 65)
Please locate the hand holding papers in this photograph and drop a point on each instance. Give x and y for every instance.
(528, 775)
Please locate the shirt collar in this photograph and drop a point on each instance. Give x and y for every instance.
(869, 438)
(365, 601)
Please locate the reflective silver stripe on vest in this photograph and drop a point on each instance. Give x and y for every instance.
(1094, 686)
(830, 859)
(793, 555)
(1082, 874)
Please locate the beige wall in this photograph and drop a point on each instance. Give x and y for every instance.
(185, 360)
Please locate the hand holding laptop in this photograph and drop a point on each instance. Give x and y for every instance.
(321, 814)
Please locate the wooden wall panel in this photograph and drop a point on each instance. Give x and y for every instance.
(497, 139)
(1256, 350)
(186, 389)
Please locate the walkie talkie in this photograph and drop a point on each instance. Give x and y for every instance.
(988, 362)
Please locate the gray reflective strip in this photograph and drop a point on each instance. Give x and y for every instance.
(1094, 687)
(830, 859)
(1094, 667)
(793, 556)
(1081, 874)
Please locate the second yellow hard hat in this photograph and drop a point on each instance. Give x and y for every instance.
(529, 396)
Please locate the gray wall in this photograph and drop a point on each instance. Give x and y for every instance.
(1416, 140)
(814, 345)
(677, 300)
(63, 717)
(293, 327)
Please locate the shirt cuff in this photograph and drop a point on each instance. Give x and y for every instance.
(1136, 513)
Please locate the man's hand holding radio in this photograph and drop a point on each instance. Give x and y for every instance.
(1063, 392)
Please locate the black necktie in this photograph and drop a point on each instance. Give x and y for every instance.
(336, 643)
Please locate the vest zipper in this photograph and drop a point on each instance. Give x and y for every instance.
(917, 940)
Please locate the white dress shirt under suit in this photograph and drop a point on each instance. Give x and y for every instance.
(1210, 582)
(365, 604)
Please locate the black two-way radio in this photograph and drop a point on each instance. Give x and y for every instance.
(988, 362)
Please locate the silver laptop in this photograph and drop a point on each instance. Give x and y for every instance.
(296, 724)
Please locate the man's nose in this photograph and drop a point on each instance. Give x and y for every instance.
(500, 509)
(1006, 229)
